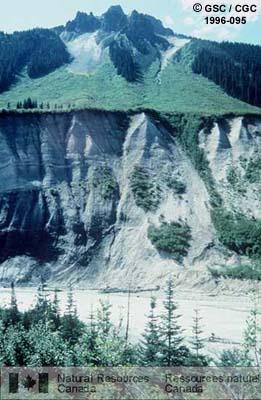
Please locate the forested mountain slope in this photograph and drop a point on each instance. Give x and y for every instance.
(118, 62)
(236, 67)
(39, 50)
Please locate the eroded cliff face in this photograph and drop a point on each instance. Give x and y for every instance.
(67, 208)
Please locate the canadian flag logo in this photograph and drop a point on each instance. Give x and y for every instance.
(31, 383)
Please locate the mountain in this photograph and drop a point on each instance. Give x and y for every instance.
(123, 159)
(89, 60)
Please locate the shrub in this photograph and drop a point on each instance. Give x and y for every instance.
(177, 186)
(253, 170)
(232, 358)
(232, 176)
(248, 271)
(173, 238)
(146, 195)
(105, 181)
(237, 232)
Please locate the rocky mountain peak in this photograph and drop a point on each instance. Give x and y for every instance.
(83, 23)
(114, 19)
(142, 34)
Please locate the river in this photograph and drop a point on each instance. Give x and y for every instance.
(224, 316)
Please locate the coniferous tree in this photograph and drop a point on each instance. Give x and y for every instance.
(43, 304)
(173, 352)
(197, 340)
(197, 343)
(111, 346)
(71, 326)
(252, 338)
(2, 343)
(41, 311)
(13, 302)
(56, 305)
(30, 104)
(150, 346)
(93, 332)
(89, 342)
(14, 313)
(54, 314)
(104, 324)
(70, 302)
(250, 352)
(128, 317)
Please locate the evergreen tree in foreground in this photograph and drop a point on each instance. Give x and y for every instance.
(173, 352)
(250, 352)
(150, 345)
(197, 343)
(252, 337)
(43, 304)
(71, 326)
(112, 348)
(10, 315)
(104, 324)
(88, 343)
(14, 315)
(54, 313)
